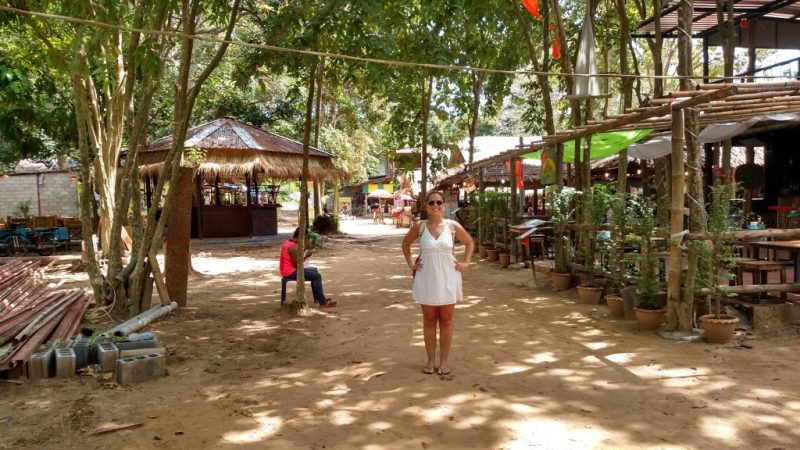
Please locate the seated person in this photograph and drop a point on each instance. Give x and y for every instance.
(288, 268)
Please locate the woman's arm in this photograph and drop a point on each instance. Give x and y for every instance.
(410, 237)
(463, 236)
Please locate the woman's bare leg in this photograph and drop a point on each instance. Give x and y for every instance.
(429, 318)
(445, 336)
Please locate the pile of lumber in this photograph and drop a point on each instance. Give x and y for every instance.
(33, 313)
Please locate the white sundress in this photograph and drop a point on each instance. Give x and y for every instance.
(438, 283)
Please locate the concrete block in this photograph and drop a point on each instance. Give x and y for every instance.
(65, 362)
(93, 343)
(135, 345)
(107, 354)
(142, 351)
(81, 348)
(135, 369)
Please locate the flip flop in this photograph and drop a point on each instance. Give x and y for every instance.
(328, 304)
(444, 373)
(428, 371)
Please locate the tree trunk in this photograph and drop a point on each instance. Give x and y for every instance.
(426, 109)
(178, 254)
(300, 301)
(477, 83)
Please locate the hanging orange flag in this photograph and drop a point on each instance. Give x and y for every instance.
(518, 168)
(533, 7)
(556, 49)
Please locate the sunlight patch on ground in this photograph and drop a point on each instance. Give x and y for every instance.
(342, 418)
(542, 433)
(766, 393)
(267, 426)
(718, 428)
(793, 405)
(597, 345)
(256, 326)
(508, 370)
(621, 358)
(545, 357)
(379, 426)
(340, 390)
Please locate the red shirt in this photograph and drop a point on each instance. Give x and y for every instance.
(286, 266)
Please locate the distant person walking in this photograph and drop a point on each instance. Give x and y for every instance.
(437, 277)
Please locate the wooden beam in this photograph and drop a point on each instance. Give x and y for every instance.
(161, 287)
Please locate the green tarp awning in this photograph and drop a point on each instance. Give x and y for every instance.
(603, 144)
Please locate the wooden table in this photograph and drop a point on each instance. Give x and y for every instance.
(793, 247)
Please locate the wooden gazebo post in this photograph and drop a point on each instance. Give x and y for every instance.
(198, 189)
(512, 177)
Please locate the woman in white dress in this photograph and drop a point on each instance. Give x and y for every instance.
(437, 280)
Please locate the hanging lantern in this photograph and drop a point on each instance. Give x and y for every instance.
(744, 23)
(533, 7)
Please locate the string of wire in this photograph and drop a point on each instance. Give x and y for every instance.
(388, 62)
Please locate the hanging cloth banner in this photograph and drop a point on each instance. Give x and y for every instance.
(533, 7)
(548, 172)
(517, 172)
(603, 144)
(586, 63)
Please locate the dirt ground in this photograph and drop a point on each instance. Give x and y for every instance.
(531, 369)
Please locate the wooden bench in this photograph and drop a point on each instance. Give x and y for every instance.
(760, 271)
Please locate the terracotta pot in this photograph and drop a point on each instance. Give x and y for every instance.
(491, 254)
(505, 259)
(615, 305)
(650, 319)
(589, 294)
(719, 331)
(561, 281)
(482, 251)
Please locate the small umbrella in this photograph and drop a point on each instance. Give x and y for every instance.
(404, 197)
(380, 193)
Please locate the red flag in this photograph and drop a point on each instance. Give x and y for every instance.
(556, 49)
(518, 169)
(533, 7)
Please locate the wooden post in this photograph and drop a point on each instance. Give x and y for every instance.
(676, 219)
(512, 177)
(198, 189)
(216, 191)
(148, 192)
(536, 201)
(481, 201)
(249, 203)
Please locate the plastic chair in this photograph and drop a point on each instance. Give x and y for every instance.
(284, 281)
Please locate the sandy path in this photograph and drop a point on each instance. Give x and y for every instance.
(531, 369)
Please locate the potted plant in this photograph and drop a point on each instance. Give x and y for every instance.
(648, 299)
(719, 266)
(589, 290)
(562, 207)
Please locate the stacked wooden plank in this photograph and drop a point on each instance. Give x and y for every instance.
(33, 312)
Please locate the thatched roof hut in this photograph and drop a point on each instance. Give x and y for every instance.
(231, 150)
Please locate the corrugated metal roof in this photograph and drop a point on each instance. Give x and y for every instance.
(778, 21)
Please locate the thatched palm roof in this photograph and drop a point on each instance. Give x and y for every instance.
(494, 175)
(233, 149)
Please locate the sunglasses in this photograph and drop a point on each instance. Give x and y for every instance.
(435, 202)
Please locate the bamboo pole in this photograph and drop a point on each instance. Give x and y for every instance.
(676, 216)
